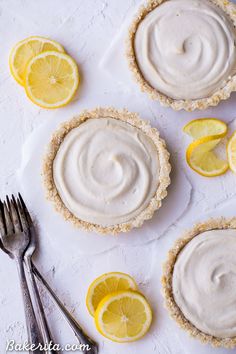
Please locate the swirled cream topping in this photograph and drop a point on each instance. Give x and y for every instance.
(106, 171)
(186, 48)
(204, 282)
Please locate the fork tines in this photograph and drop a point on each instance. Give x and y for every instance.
(14, 215)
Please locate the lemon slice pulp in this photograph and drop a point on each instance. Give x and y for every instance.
(123, 316)
(25, 50)
(231, 152)
(51, 79)
(105, 284)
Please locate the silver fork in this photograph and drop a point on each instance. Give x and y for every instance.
(83, 338)
(78, 331)
(15, 239)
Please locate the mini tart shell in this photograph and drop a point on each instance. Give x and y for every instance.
(176, 104)
(134, 120)
(168, 267)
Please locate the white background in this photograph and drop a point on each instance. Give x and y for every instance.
(86, 29)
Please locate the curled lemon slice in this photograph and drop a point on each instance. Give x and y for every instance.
(199, 128)
(51, 79)
(106, 284)
(123, 316)
(207, 134)
(231, 152)
(202, 159)
(25, 50)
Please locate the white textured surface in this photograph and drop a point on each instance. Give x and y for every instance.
(86, 29)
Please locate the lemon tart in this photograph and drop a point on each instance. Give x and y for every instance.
(199, 282)
(183, 52)
(107, 170)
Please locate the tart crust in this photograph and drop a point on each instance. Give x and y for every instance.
(168, 268)
(131, 118)
(176, 104)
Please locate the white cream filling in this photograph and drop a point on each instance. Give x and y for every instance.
(106, 171)
(204, 282)
(186, 48)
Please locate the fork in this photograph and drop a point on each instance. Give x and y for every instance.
(78, 331)
(24, 215)
(15, 238)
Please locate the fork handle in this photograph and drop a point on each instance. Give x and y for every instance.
(41, 314)
(34, 335)
(78, 331)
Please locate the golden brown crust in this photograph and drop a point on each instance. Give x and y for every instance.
(168, 268)
(131, 118)
(188, 105)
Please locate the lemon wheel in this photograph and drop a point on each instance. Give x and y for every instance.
(25, 50)
(123, 316)
(51, 79)
(106, 284)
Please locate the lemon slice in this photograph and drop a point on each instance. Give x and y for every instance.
(106, 284)
(51, 79)
(123, 316)
(231, 152)
(25, 50)
(203, 127)
(202, 159)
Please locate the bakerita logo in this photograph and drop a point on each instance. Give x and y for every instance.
(44, 348)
